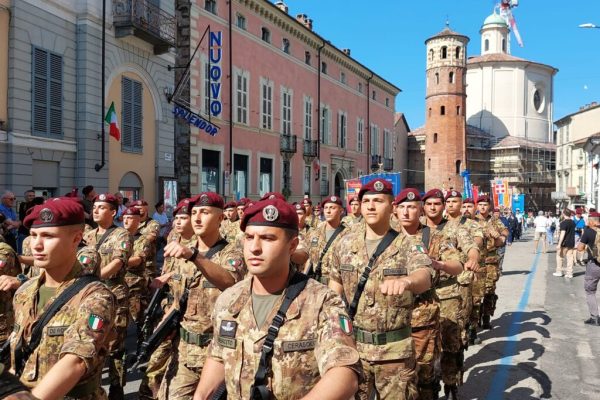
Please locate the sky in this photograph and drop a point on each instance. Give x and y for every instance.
(388, 36)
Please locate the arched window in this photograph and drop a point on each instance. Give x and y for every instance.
(486, 45)
(458, 166)
(435, 138)
(431, 55)
(457, 110)
(457, 52)
(451, 77)
(443, 110)
(437, 78)
(444, 52)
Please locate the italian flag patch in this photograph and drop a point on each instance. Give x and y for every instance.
(419, 249)
(85, 260)
(2, 263)
(346, 324)
(125, 245)
(95, 322)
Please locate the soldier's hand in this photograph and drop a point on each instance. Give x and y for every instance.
(160, 281)
(437, 265)
(471, 265)
(9, 283)
(176, 250)
(394, 287)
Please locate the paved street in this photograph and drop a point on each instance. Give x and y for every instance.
(539, 347)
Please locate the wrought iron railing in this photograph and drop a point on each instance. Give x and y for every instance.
(144, 15)
(310, 148)
(388, 164)
(287, 144)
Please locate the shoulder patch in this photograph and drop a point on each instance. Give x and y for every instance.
(235, 263)
(346, 324)
(125, 245)
(2, 263)
(95, 322)
(228, 329)
(418, 248)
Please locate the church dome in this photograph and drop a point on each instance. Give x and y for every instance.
(494, 19)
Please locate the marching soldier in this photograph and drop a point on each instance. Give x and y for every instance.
(150, 229)
(311, 219)
(495, 237)
(300, 256)
(9, 271)
(379, 271)
(64, 317)
(215, 265)
(114, 245)
(230, 226)
(354, 216)
(259, 354)
(241, 206)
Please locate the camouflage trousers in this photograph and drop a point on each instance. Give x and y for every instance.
(138, 295)
(452, 348)
(465, 280)
(391, 380)
(425, 323)
(478, 292)
(157, 366)
(183, 372)
(489, 299)
(116, 359)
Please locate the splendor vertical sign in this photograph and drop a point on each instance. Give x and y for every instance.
(215, 50)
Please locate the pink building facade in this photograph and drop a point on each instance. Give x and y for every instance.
(304, 115)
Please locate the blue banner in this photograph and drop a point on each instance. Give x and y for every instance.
(518, 201)
(467, 187)
(393, 178)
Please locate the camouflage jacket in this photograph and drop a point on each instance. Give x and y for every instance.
(83, 327)
(351, 219)
(313, 339)
(230, 230)
(490, 225)
(26, 251)
(377, 312)
(9, 265)
(316, 241)
(150, 229)
(475, 231)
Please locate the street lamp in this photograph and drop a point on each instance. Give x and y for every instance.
(589, 25)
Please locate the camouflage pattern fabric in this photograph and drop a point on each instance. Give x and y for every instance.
(351, 219)
(9, 265)
(391, 380)
(26, 251)
(150, 229)
(316, 241)
(315, 337)
(229, 230)
(136, 279)
(491, 260)
(84, 326)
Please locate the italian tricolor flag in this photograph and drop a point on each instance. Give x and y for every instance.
(111, 119)
(95, 322)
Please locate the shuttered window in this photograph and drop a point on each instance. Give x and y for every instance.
(131, 132)
(47, 88)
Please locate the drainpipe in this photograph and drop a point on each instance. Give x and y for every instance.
(98, 167)
(319, 133)
(369, 121)
(230, 27)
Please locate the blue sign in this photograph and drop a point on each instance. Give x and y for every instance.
(518, 201)
(215, 73)
(467, 187)
(195, 120)
(393, 178)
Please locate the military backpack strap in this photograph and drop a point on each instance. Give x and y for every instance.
(318, 270)
(425, 237)
(24, 350)
(217, 247)
(105, 236)
(362, 282)
(259, 390)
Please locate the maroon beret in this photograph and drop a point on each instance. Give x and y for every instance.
(298, 207)
(496, 209)
(352, 199)
(107, 198)
(72, 193)
(434, 194)
(208, 199)
(594, 215)
(132, 211)
(408, 194)
(55, 212)
(483, 199)
(230, 204)
(469, 200)
(271, 212)
(139, 203)
(332, 199)
(453, 193)
(273, 195)
(243, 202)
(184, 207)
(376, 186)
(306, 202)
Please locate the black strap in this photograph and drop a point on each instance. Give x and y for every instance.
(362, 282)
(319, 269)
(259, 389)
(463, 219)
(217, 247)
(105, 236)
(24, 350)
(427, 233)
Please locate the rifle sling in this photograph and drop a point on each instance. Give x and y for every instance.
(259, 389)
(427, 233)
(362, 282)
(318, 269)
(105, 236)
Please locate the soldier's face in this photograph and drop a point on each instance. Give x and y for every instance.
(103, 214)
(469, 209)
(301, 217)
(267, 250)
(131, 222)
(434, 208)
(454, 206)
(183, 224)
(143, 211)
(240, 212)
(376, 208)
(230, 213)
(355, 207)
(408, 213)
(206, 220)
(55, 247)
(332, 212)
(484, 208)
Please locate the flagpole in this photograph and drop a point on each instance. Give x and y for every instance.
(98, 167)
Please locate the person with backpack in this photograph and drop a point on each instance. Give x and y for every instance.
(590, 241)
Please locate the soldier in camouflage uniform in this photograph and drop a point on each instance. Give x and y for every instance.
(312, 220)
(454, 205)
(313, 354)
(300, 256)
(354, 216)
(318, 238)
(69, 359)
(205, 278)
(382, 321)
(454, 246)
(114, 245)
(229, 228)
(9, 269)
(495, 237)
(151, 230)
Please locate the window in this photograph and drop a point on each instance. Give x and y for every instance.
(241, 21)
(435, 135)
(47, 93)
(360, 87)
(211, 171)
(374, 95)
(504, 45)
(324, 67)
(324, 180)
(265, 35)
(307, 57)
(342, 129)
(307, 179)
(343, 77)
(308, 118)
(444, 52)
(538, 100)
(131, 111)
(387, 144)
(486, 45)
(451, 77)
(325, 121)
(360, 128)
(211, 6)
(241, 79)
(266, 104)
(387, 101)
(431, 55)
(437, 78)
(457, 167)
(457, 110)
(443, 110)
(285, 45)
(374, 140)
(457, 52)
(286, 111)
(240, 175)
(265, 178)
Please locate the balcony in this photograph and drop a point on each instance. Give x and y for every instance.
(146, 21)
(559, 196)
(310, 150)
(287, 146)
(375, 161)
(388, 164)
(573, 192)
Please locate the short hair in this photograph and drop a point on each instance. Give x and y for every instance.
(540, 212)
(567, 212)
(159, 204)
(29, 191)
(87, 190)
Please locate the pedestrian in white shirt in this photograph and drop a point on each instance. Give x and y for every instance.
(541, 224)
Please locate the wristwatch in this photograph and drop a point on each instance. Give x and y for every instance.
(22, 278)
(194, 255)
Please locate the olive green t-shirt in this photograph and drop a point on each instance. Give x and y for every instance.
(45, 294)
(262, 305)
(372, 245)
(329, 233)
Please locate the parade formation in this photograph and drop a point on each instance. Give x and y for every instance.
(256, 299)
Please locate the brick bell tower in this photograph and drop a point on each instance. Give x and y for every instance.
(445, 122)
